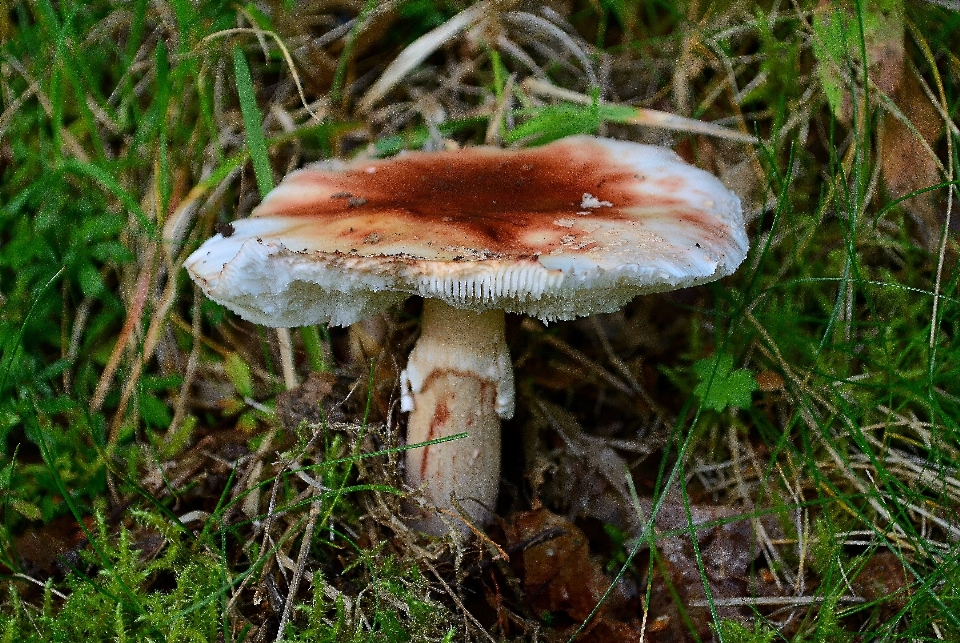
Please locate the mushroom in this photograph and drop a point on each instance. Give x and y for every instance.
(573, 228)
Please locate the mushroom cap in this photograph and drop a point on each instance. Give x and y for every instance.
(573, 228)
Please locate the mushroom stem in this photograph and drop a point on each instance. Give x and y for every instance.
(459, 379)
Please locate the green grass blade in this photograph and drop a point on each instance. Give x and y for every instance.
(313, 346)
(10, 349)
(253, 122)
(106, 180)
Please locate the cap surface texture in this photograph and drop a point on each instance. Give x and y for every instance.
(573, 228)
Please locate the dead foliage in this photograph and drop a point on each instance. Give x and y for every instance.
(562, 582)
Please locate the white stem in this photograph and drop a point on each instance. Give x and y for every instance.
(459, 379)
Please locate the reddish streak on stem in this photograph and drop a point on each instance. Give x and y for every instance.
(441, 414)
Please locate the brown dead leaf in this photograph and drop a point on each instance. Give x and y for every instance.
(40, 549)
(678, 606)
(837, 46)
(769, 381)
(885, 49)
(366, 338)
(560, 578)
(883, 579)
(907, 165)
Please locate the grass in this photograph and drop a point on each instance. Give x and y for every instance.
(769, 458)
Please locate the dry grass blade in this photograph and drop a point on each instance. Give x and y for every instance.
(655, 118)
(36, 582)
(15, 105)
(306, 540)
(582, 359)
(193, 361)
(157, 323)
(76, 334)
(756, 601)
(286, 358)
(528, 22)
(260, 33)
(641, 115)
(418, 51)
(456, 599)
(950, 174)
(134, 316)
(72, 144)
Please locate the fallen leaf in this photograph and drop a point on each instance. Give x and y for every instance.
(40, 549)
(839, 50)
(769, 381)
(678, 602)
(906, 163)
(882, 579)
(561, 579)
